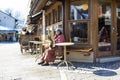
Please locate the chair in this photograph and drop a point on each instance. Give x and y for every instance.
(24, 43)
(59, 52)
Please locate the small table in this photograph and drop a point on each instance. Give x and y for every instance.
(65, 59)
(36, 43)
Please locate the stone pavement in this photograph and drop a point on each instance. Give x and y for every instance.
(17, 66)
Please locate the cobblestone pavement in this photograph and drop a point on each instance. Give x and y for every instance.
(87, 71)
(17, 66)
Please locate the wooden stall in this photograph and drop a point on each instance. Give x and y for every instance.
(93, 25)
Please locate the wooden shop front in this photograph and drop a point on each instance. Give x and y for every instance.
(88, 23)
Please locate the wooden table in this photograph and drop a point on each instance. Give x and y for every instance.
(37, 43)
(65, 59)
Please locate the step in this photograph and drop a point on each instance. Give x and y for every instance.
(108, 59)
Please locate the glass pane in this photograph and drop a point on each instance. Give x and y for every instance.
(56, 27)
(104, 26)
(54, 16)
(50, 20)
(46, 20)
(40, 29)
(118, 27)
(59, 13)
(79, 32)
(79, 9)
(49, 32)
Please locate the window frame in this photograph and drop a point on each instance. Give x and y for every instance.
(81, 2)
(80, 21)
(88, 29)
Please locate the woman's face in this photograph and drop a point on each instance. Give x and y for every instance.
(57, 32)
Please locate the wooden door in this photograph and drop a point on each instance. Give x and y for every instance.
(105, 27)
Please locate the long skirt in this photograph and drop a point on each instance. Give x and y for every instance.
(49, 55)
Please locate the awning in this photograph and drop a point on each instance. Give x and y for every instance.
(34, 18)
(37, 14)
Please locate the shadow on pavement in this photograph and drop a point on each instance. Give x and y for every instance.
(105, 73)
(110, 65)
(94, 67)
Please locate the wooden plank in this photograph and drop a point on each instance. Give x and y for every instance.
(54, 6)
(80, 50)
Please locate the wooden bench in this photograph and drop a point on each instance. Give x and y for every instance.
(86, 52)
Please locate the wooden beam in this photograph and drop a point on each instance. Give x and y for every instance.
(66, 17)
(114, 38)
(94, 26)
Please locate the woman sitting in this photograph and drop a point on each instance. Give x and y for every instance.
(48, 55)
(59, 37)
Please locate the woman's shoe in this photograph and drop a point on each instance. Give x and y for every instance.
(45, 64)
(62, 58)
(40, 62)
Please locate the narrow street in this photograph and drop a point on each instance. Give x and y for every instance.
(17, 66)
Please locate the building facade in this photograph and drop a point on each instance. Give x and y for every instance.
(7, 27)
(7, 20)
(88, 23)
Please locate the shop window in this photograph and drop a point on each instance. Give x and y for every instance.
(40, 29)
(50, 20)
(49, 32)
(104, 26)
(46, 21)
(79, 32)
(59, 13)
(118, 26)
(79, 9)
(54, 16)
